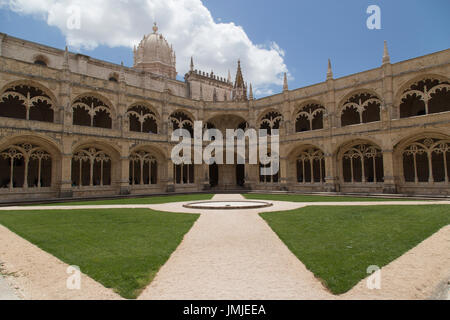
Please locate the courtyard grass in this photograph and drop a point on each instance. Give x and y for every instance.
(144, 200)
(121, 248)
(338, 244)
(315, 198)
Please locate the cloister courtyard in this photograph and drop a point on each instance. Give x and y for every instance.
(301, 247)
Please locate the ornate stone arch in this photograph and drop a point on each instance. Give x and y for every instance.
(309, 115)
(360, 106)
(93, 110)
(306, 162)
(95, 164)
(28, 100)
(143, 117)
(270, 119)
(146, 165)
(360, 161)
(182, 119)
(28, 161)
(424, 94)
(424, 158)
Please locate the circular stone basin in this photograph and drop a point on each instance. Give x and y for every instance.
(227, 205)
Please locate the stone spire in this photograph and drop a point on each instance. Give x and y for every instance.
(122, 72)
(250, 95)
(285, 83)
(239, 78)
(229, 76)
(240, 89)
(330, 71)
(192, 64)
(386, 58)
(66, 59)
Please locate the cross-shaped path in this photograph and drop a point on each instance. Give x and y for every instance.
(232, 254)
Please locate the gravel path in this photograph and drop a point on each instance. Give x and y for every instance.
(41, 276)
(231, 254)
(6, 291)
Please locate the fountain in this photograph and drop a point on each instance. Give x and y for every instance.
(228, 205)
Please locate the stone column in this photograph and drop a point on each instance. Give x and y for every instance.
(65, 184)
(331, 180)
(124, 167)
(251, 175)
(170, 176)
(205, 176)
(283, 173)
(389, 185)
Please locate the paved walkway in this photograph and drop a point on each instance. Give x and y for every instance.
(234, 254)
(231, 254)
(6, 291)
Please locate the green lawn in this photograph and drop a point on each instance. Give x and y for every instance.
(146, 200)
(121, 248)
(338, 244)
(313, 198)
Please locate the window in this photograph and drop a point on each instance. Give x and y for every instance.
(427, 160)
(91, 112)
(425, 97)
(143, 168)
(310, 117)
(311, 166)
(142, 119)
(26, 102)
(363, 163)
(25, 166)
(91, 167)
(361, 108)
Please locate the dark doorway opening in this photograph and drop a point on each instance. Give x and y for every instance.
(240, 175)
(213, 175)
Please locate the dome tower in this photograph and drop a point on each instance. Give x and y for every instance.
(154, 54)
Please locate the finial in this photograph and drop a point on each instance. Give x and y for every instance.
(229, 76)
(122, 73)
(155, 28)
(285, 83)
(66, 58)
(330, 71)
(192, 64)
(250, 95)
(386, 58)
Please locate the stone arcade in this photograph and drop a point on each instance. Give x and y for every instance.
(74, 126)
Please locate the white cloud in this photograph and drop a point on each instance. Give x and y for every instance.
(187, 24)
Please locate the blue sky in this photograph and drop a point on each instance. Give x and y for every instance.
(308, 32)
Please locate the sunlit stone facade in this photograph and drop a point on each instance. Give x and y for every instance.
(73, 126)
